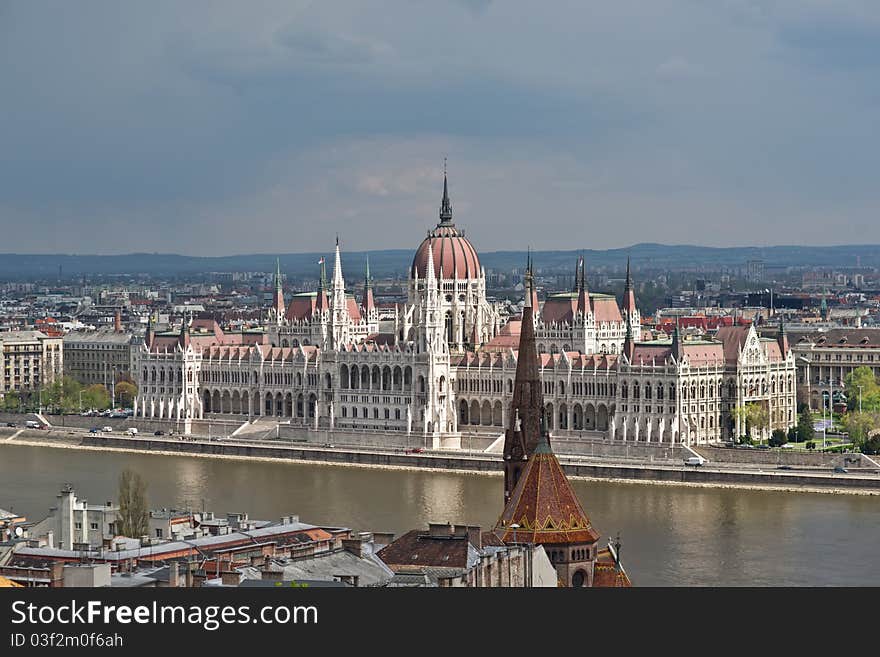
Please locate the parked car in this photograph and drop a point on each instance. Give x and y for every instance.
(840, 469)
(694, 460)
(784, 467)
(10, 424)
(94, 430)
(32, 424)
(107, 429)
(763, 446)
(131, 431)
(158, 432)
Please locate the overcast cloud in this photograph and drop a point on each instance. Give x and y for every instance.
(216, 127)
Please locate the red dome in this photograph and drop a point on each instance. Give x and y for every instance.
(452, 252)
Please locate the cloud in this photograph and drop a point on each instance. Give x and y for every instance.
(218, 127)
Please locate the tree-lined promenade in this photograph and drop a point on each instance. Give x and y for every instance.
(68, 395)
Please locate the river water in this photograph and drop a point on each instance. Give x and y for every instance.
(670, 535)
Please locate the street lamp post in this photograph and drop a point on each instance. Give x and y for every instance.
(860, 399)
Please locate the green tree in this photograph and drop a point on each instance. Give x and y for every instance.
(778, 438)
(862, 377)
(125, 393)
(805, 429)
(96, 397)
(859, 425)
(133, 514)
(12, 402)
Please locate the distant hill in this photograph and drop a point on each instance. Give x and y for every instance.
(397, 261)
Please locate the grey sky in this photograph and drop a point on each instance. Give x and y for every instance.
(226, 127)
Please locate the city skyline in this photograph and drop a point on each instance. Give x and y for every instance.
(744, 123)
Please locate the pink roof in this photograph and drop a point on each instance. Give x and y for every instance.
(559, 310)
(733, 338)
(606, 310)
(452, 252)
(301, 307)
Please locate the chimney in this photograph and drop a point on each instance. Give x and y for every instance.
(355, 546)
(117, 322)
(230, 578)
(440, 529)
(174, 575)
(272, 575)
(475, 536)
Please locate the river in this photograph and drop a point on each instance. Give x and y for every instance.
(670, 535)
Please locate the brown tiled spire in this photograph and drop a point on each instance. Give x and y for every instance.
(544, 506)
(526, 415)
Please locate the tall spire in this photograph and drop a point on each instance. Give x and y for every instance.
(338, 280)
(782, 339)
(151, 332)
(525, 430)
(445, 203)
(430, 278)
(629, 346)
(367, 301)
(278, 295)
(183, 340)
(583, 302)
(677, 350)
(321, 302)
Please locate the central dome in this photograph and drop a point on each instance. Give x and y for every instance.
(453, 253)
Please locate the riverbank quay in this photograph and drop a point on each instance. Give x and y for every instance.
(761, 476)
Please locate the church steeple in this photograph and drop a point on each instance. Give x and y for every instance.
(527, 408)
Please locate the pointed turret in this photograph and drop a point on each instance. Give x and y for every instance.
(530, 288)
(151, 333)
(629, 345)
(184, 339)
(278, 294)
(782, 339)
(338, 280)
(445, 203)
(322, 304)
(677, 347)
(430, 278)
(367, 301)
(583, 302)
(527, 408)
(629, 297)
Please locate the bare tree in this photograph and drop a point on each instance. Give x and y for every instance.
(133, 514)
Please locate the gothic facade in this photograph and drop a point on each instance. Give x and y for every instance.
(447, 362)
